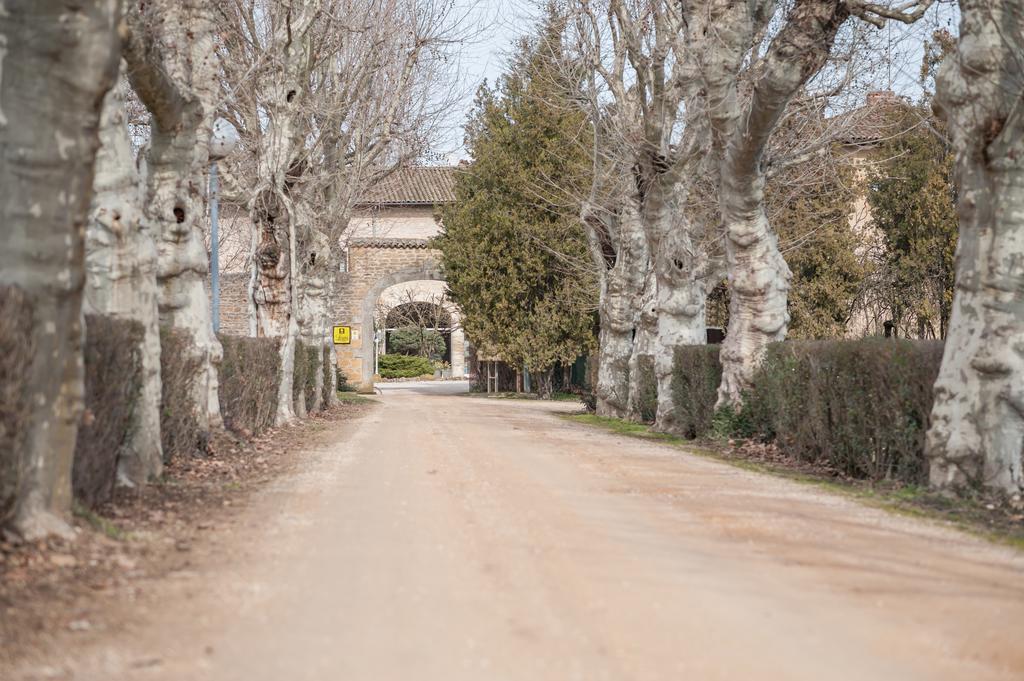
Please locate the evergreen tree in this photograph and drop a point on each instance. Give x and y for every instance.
(913, 207)
(514, 251)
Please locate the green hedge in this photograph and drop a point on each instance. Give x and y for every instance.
(113, 379)
(328, 368)
(307, 364)
(859, 407)
(250, 377)
(648, 393)
(404, 366)
(695, 378)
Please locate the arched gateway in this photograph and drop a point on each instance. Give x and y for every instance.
(389, 262)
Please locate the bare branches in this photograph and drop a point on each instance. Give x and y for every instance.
(876, 15)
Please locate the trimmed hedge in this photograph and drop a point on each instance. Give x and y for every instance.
(314, 371)
(860, 408)
(250, 377)
(648, 403)
(328, 370)
(304, 373)
(113, 380)
(405, 366)
(17, 350)
(180, 433)
(696, 375)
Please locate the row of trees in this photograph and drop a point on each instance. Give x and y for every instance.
(711, 139)
(326, 96)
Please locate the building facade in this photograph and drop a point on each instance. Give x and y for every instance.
(389, 262)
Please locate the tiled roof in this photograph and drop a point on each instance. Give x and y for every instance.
(384, 242)
(419, 185)
(871, 123)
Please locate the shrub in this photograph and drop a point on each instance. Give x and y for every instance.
(179, 370)
(16, 352)
(300, 371)
(343, 385)
(648, 403)
(250, 377)
(113, 380)
(861, 407)
(404, 366)
(305, 372)
(695, 377)
(328, 367)
(413, 340)
(312, 357)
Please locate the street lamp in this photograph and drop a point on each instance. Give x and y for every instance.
(222, 143)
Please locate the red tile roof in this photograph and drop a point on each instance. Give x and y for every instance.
(872, 123)
(416, 186)
(387, 242)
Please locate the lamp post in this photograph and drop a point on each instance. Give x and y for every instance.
(222, 143)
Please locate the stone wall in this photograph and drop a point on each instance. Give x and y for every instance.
(372, 269)
(234, 303)
(387, 247)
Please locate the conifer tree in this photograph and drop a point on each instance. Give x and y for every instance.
(514, 252)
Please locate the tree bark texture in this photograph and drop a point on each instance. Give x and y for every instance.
(120, 262)
(619, 249)
(275, 207)
(644, 345)
(681, 268)
(977, 432)
(758, 274)
(172, 66)
(315, 273)
(57, 61)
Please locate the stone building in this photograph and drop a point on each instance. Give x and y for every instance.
(387, 264)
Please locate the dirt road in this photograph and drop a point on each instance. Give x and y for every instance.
(455, 538)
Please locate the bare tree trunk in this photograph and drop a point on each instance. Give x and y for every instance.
(314, 273)
(615, 346)
(274, 312)
(619, 251)
(58, 61)
(977, 432)
(172, 66)
(758, 273)
(120, 261)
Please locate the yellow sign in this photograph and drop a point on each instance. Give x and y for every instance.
(342, 335)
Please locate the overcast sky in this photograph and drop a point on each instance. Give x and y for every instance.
(496, 24)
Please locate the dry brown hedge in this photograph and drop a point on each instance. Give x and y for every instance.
(16, 353)
(250, 377)
(113, 379)
(180, 433)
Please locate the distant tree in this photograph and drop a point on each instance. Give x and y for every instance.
(913, 206)
(812, 206)
(514, 253)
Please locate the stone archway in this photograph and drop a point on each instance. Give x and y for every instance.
(431, 292)
(381, 266)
